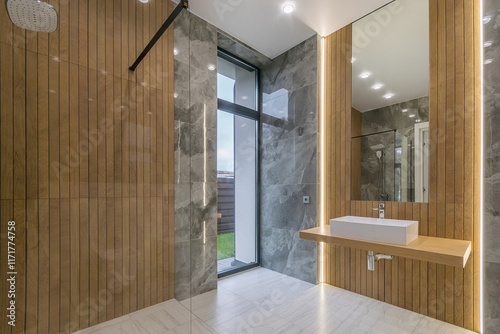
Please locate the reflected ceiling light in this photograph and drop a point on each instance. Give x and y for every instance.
(487, 44)
(486, 19)
(144, 1)
(377, 86)
(404, 110)
(488, 61)
(211, 67)
(411, 116)
(288, 8)
(365, 75)
(244, 97)
(176, 51)
(176, 95)
(353, 60)
(388, 95)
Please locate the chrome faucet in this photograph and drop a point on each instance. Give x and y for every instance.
(381, 210)
(372, 259)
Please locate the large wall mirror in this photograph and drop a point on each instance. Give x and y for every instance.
(390, 104)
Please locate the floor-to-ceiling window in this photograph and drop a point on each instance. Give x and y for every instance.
(237, 154)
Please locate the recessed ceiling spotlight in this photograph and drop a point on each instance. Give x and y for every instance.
(211, 67)
(486, 19)
(144, 1)
(377, 86)
(365, 75)
(487, 44)
(176, 51)
(288, 8)
(488, 61)
(388, 95)
(404, 110)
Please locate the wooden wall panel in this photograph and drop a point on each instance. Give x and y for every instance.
(86, 166)
(446, 293)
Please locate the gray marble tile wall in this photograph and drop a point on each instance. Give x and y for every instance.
(195, 104)
(289, 158)
(491, 218)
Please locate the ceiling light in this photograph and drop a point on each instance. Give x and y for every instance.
(487, 44)
(211, 67)
(388, 95)
(404, 110)
(365, 75)
(176, 51)
(288, 8)
(144, 1)
(377, 86)
(486, 19)
(488, 61)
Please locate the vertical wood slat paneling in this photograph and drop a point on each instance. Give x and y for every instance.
(71, 177)
(447, 293)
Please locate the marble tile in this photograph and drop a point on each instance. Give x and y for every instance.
(181, 37)
(277, 164)
(161, 318)
(292, 213)
(203, 265)
(182, 152)
(491, 218)
(181, 91)
(203, 210)
(182, 270)
(241, 50)
(182, 212)
(293, 69)
(283, 251)
(203, 154)
(203, 43)
(219, 306)
(203, 98)
(305, 101)
(263, 301)
(122, 325)
(306, 158)
(491, 297)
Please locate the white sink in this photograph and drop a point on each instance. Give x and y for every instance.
(390, 231)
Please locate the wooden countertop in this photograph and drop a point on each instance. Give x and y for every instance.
(450, 252)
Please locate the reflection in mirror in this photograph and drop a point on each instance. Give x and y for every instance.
(390, 104)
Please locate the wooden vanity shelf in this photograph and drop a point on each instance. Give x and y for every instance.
(449, 252)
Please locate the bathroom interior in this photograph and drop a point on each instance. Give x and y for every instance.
(235, 166)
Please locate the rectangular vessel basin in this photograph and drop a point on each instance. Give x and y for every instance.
(390, 231)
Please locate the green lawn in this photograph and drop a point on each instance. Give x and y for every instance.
(225, 245)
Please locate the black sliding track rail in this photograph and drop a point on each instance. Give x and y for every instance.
(182, 5)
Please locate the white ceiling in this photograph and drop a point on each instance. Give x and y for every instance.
(397, 55)
(262, 25)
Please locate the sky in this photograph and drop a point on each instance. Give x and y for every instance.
(225, 126)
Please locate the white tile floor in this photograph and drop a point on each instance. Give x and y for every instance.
(262, 301)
